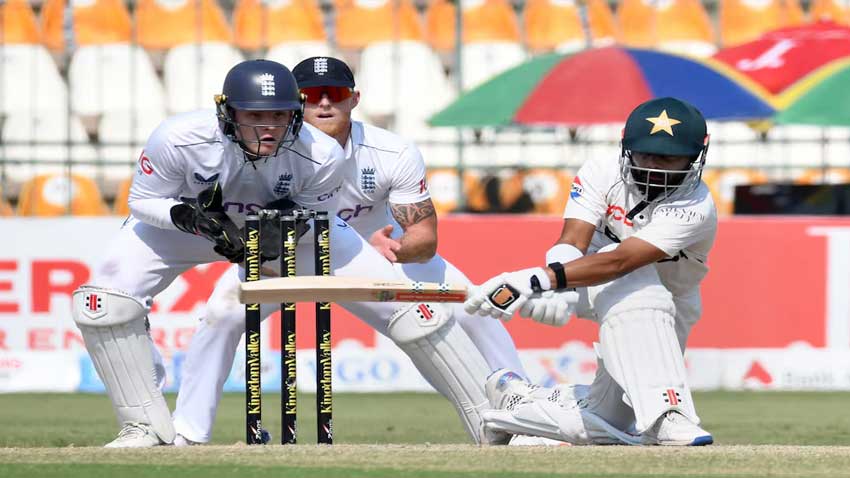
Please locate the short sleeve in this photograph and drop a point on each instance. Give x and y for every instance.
(160, 169)
(408, 179)
(587, 194)
(675, 228)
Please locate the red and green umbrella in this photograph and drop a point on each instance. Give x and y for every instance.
(602, 86)
(821, 98)
(780, 58)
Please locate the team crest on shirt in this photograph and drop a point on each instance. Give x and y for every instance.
(284, 181)
(367, 180)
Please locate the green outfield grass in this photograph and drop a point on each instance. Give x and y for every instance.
(412, 435)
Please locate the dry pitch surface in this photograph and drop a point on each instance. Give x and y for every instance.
(410, 435)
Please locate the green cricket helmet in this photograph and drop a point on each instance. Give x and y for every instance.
(663, 127)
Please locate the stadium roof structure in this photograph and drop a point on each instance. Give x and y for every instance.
(601, 86)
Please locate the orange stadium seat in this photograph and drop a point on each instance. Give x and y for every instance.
(95, 22)
(817, 176)
(679, 25)
(722, 185)
(502, 191)
(830, 10)
(56, 195)
(483, 21)
(121, 207)
(362, 22)
(741, 21)
(549, 189)
(19, 24)
(6, 209)
(162, 24)
(556, 24)
(261, 24)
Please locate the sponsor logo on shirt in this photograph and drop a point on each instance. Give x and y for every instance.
(145, 166)
(367, 180)
(688, 216)
(618, 214)
(577, 189)
(284, 182)
(326, 196)
(199, 179)
(348, 214)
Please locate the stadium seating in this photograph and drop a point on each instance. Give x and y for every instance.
(6, 208)
(263, 23)
(95, 22)
(741, 21)
(722, 182)
(821, 176)
(121, 208)
(360, 23)
(163, 24)
(549, 189)
(402, 79)
(557, 25)
(291, 53)
(444, 185)
(19, 24)
(830, 10)
(113, 77)
(122, 135)
(483, 21)
(30, 81)
(58, 195)
(38, 144)
(681, 26)
(194, 73)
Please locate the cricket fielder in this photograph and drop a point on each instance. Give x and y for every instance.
(199, 175)
(384, 191)
(632, 254)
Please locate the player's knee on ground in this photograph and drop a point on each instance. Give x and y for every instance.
(115, 332)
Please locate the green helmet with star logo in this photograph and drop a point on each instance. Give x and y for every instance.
(663, 127)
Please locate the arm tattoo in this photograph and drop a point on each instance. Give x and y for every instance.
(409, 214)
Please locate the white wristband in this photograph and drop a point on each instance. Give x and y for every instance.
(562, 253)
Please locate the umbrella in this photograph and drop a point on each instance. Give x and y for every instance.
(780, 58)
(819, 99)
(602, 86)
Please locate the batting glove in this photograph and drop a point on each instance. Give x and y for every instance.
(504, 294)
(551, 307)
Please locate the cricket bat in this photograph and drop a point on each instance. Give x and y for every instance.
(346, 289)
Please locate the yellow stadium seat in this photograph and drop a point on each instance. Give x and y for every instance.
(829, 10)
(95, 22)
(483, 21)
(19, 24)
(261, 24)
(56, 195)
(741, 21)
(162, 24)
(817, 176)
(722, 184)
(670, 21)
(362, 22)
(121, 208)
(556, 24)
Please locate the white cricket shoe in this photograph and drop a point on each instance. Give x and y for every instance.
(527, 440)
(506, 389)
(135, 435)
(180, 440)
(675, 429)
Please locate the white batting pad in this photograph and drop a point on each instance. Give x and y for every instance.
(443, 352)
(114, 330)
(641, 352)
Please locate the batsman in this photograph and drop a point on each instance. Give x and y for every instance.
(631, 256)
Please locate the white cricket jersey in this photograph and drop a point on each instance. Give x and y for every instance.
(683, 227)
(188, 153)
(380, 167)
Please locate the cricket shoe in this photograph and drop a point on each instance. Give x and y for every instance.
(180, 440)
(135, 435)
(675, 429)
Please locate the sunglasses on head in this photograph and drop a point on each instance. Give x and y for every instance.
(335, 94)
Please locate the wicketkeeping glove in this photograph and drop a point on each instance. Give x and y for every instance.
(207, 218)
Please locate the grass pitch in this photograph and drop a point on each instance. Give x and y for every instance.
(419, 435)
